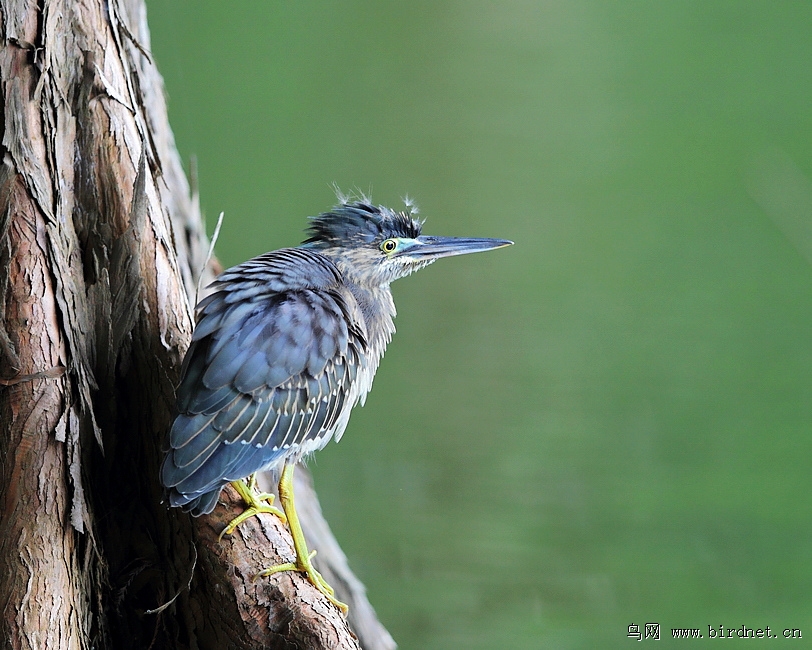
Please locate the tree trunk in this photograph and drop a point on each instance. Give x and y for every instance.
(101, 251)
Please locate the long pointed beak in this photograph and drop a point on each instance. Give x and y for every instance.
(436, 247)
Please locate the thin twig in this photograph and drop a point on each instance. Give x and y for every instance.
(158, 610)
(210, 253)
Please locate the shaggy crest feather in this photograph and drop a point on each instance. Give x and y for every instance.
(361, 223)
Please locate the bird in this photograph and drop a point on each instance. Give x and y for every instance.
(284, 346)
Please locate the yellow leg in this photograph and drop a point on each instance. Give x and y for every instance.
(303, 557)
(256, 503)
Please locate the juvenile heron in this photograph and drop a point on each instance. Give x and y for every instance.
(285, 346)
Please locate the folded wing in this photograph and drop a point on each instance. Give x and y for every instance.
(269, 375)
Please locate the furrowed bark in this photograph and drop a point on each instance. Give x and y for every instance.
(101, 250)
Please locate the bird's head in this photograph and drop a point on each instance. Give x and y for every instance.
(374, 245)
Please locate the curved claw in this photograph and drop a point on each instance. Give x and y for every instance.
(256, 503)
(306, 566)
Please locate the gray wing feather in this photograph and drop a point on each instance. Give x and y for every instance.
(274, 352)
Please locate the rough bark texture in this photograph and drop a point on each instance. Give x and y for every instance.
(101, 248)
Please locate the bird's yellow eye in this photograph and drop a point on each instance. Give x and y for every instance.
(389, 245)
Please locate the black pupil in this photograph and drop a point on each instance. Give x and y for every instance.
(389, 246)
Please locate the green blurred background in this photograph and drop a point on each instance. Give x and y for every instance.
(608, 423)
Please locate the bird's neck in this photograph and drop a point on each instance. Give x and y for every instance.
(374, 300)
(379, 312)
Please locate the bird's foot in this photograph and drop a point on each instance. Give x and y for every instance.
(304, 557)
(256, 501)
(305, 565)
